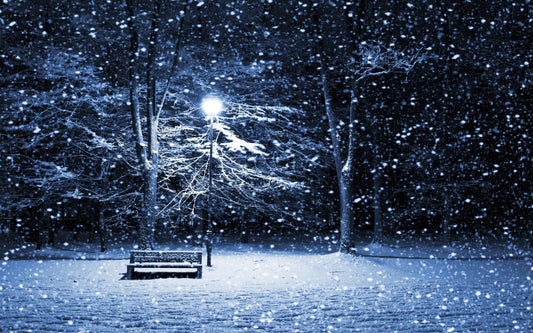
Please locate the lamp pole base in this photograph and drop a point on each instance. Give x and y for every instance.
(209, 247)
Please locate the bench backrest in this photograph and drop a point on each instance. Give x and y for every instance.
(140, 256)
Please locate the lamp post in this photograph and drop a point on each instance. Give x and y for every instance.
(211, 106)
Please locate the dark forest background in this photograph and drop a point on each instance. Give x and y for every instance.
(384, 118)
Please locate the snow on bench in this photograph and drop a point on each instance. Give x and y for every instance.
(165, 259)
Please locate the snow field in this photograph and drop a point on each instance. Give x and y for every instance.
(271, 292)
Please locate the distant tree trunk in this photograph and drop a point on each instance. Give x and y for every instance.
(445, 227)
(450, 107)
(51, 234)
(51, 227)
(377, 203)
(243, 228)
(102, 232)
(377, 181)
(38, 225)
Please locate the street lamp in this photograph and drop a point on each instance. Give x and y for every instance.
(211, 106)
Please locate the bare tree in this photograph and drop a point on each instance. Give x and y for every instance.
(146, 142)
(363, 60)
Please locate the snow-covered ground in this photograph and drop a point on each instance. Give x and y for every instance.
(265, 288)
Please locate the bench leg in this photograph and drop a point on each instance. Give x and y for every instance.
(129, 273)
(199, 273)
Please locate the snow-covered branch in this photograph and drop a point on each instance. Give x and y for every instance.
(376, 59)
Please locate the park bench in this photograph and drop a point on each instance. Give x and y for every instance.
(165, 259)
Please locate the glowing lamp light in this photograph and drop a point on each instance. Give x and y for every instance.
(212, 106)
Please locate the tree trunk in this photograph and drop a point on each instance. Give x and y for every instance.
(347, 217)
(344, 178)
(147, 154)
(147, 223)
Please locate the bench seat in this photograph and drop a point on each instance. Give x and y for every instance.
(140, 259)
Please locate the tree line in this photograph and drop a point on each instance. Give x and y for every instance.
(388, 118)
